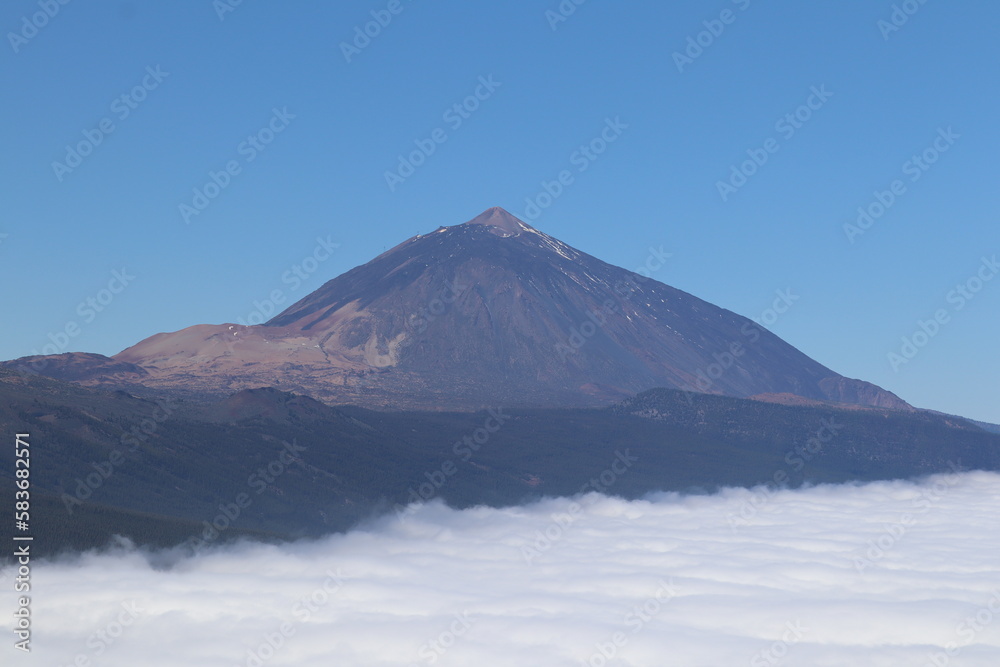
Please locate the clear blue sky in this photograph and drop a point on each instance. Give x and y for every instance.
(323, 175)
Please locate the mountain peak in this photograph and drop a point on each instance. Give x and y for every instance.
(489, 312)
(500, 222)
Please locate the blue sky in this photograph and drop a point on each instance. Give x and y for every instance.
(328, 126)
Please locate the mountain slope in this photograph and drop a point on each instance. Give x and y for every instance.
(106, 463)
(491, 312)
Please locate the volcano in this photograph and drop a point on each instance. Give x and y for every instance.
(489, 312)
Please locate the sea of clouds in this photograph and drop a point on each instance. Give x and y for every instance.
(890, 573)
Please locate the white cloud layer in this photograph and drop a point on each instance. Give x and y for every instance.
(891, 574)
